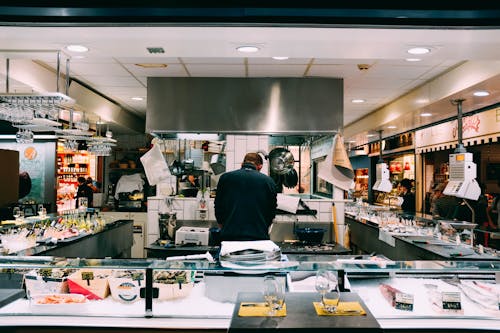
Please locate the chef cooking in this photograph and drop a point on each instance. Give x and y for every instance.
(245, 204)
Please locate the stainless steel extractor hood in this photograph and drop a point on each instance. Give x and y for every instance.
(245, 105)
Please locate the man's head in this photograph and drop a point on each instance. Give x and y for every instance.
(255, 159)
(81, 180)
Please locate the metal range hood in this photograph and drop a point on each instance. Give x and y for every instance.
(244, 105)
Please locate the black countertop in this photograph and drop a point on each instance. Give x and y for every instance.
(42, 249)
(301, 316)
(160, 251)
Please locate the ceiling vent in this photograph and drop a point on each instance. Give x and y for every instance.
(155, 50)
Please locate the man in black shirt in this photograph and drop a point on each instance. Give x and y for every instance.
(245, 203)
(84, 191)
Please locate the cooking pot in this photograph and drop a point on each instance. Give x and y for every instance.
(281, 160)
(310, 235)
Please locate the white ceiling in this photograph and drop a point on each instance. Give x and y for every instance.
(110, 65)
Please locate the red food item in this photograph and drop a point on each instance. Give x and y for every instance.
(389, 293)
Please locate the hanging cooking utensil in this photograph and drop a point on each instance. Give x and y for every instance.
(219, 161)
(291, 179)
(281, 161)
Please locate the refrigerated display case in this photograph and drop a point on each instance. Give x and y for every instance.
(126, 295)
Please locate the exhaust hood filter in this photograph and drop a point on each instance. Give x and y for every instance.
(244, 105)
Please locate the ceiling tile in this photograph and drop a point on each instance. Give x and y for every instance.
(271, 61)
(116, 81)
(280, 71)
(339, 70)
(147, 60)
(199, 70)
(170, 70)
(88, 69)
(213, 61)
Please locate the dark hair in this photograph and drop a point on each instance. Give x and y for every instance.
(406, 183)
(253, 158)
(81, 180)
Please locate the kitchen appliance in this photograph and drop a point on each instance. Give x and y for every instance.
(462, 182)
(310, 235)
(192, 235)
(167, 223)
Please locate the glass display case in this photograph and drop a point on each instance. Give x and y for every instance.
(202, 294)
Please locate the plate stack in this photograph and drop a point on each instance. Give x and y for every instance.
(249, 253)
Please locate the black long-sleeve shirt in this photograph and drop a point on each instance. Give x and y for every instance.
(245, 204)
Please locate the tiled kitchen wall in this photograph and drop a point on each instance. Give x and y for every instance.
(236, 148)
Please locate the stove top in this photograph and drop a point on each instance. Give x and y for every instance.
(307, 248)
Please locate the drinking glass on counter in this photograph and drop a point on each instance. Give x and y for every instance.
(327, 286)
(42, 211)
(274, 294)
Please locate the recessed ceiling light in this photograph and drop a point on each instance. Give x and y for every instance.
(357, 100)
(247, 49)
(413, 59)
(280, 58)
(370, 135)
(77, 48)
(481, 93)
(426, 114)
(137, 98)
(391, 127)
(151, 65)
(419, 50)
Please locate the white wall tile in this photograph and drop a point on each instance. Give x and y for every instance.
(178, 204)
(240, 150)
(264, 143)
(325, 217)
(230, 143)
(151, 238)
(230, 158)
(325, 207)
(153, 204)
(153, 222)
(252, 143)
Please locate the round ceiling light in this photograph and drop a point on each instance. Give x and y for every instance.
(137, 98)
(481, 93)
(426, 114)
(419, 50)
(357, 100)
(280, 58)
(391, 127)
(77, 48)
(247, 49)
(413, 59)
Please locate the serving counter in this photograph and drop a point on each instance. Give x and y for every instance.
(115, 240)
(130, 295)
(368, 237)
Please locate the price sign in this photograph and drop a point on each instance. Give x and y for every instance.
(87, 276)
(138, 277)
(404, 302)
(45, 272)
(451, 301)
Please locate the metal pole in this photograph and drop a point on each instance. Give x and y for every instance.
(66, 91)
(7, 69)
(458, 102)
(58, 70)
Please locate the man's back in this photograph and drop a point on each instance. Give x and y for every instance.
(245, 204)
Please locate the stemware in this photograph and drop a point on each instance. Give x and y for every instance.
(327, 286)
(271, 291)
(16, 212)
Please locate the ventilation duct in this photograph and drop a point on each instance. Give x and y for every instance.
(245, 105)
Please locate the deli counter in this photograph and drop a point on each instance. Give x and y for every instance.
(117, 295)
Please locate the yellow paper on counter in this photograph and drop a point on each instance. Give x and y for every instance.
(252, 309)
(344, 309)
